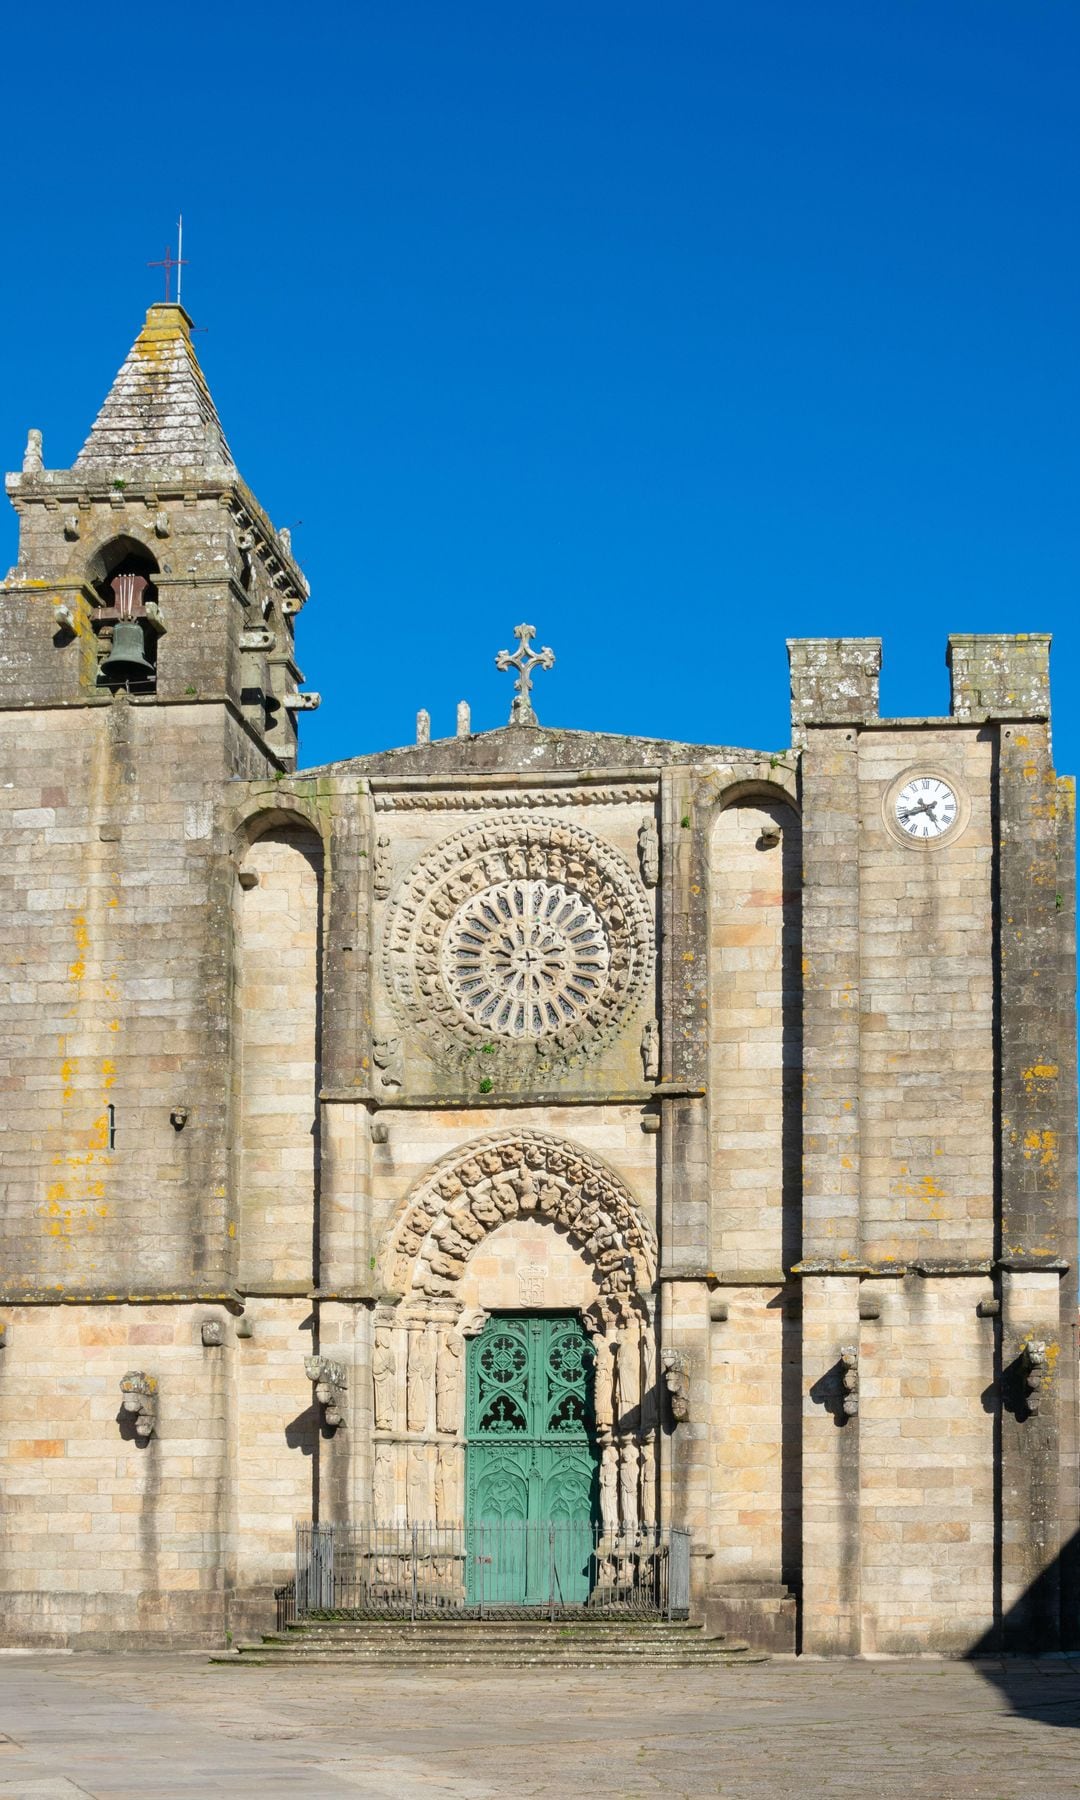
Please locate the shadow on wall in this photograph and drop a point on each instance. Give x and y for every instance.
(1043, 1686)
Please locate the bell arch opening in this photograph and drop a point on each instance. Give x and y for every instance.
(126, 621)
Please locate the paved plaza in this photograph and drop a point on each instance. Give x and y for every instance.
(166, 1727)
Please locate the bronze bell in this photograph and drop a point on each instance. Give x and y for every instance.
(126, 661)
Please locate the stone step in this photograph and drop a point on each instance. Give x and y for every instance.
(510, 1644)
(560, 1652)
(497, 1634)
(448, 1641)
(515, 1622)
(675, 1659)
(493, 1643)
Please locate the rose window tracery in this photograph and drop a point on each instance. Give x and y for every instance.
(526, 958)
(526, 940)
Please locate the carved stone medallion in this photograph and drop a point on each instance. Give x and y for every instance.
(525, 941)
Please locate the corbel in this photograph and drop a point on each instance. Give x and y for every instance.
(139, 1396)
(330, 1383)
(677, 1380)
(1036, 1369)
(849, 1361)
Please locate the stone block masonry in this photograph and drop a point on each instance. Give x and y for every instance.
(758, 1066)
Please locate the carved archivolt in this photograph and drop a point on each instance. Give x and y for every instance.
(524, 1175)
(525, 941)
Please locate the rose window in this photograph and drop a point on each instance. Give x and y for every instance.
(525, 959)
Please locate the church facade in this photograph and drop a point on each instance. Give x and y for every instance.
(732, 1094)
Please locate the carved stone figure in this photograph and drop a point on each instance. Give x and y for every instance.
(418, 1497)
(650, 1051)
(849, 1361)
(1035, 1363)
(140, 1393)
(649, 853)
(383, 1372)
(628, 1484)
(421, 1371)
(648, 1481)
(33, 461)
(609, 1489)
(628, 1375)
(382, 1485)
(330, 1381)
(381, 869)
(386, 1055)
(442, 1474)
(677, 1380)
(603, 1384)
(448, 1383)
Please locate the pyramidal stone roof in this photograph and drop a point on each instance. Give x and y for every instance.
(158, 415)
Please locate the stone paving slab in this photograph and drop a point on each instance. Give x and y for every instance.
(170, 1727)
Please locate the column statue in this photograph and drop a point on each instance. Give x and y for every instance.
(448, 1383)
(383, 1370)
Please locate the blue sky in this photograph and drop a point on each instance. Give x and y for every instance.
(675, 329)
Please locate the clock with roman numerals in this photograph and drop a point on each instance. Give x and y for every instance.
(925, 807)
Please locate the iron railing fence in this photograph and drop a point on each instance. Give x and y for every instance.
(285, 1604)
(504, 1569)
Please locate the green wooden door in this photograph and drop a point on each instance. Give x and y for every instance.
(530, 1461)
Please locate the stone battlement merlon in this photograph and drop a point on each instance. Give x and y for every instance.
(997, 675)
(834, 681)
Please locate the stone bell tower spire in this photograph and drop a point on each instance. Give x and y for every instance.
(149, 567)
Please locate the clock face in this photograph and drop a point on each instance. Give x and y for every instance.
(925, 807)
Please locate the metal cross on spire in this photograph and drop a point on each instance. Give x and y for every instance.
(169, 262)
(524, 661)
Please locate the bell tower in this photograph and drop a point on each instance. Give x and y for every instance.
(147, 669)
(149, 569)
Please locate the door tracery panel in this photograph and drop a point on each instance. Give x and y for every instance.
(531, 1456)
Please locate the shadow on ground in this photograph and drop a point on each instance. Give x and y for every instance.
(1031, 1653)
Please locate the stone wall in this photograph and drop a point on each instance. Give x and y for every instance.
(926, 999)
(755, 1026)
(235, 1098)
(278, 988)
(111, 1541)
(116, 945)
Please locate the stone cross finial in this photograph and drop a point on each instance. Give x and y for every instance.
(524, 661)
